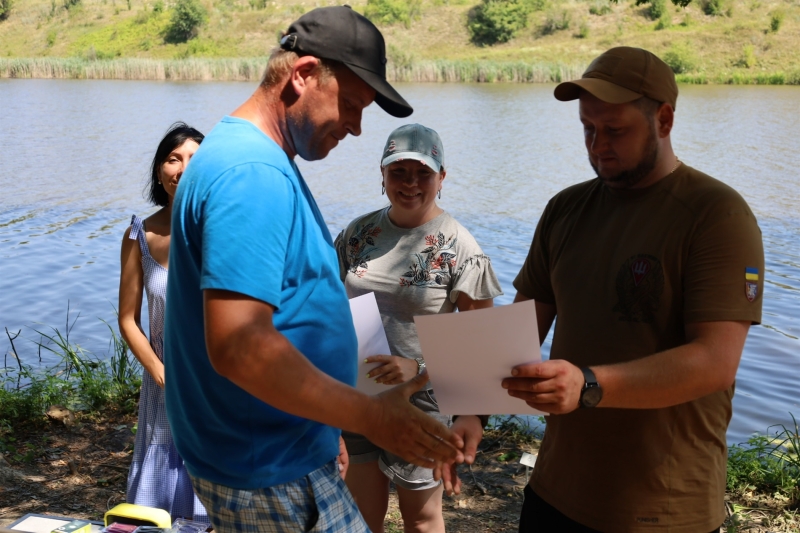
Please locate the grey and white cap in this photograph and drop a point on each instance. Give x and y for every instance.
(414, 141)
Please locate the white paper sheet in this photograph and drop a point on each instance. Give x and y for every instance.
(468, 355)
(371, 340)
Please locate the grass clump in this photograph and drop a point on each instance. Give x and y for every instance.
(80, 381)
(556, 21)
(748, 57)
(5, 8)
(656, 8)
(664, 22)
(775, 21)
(717, 8)
(768, 463)
(388, 12)
(600, 8)
(583, 31)
(681, 58)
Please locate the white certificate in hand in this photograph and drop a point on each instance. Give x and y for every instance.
(371, 340)
(468, 355)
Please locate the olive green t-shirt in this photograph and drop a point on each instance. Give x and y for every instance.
(626, 271)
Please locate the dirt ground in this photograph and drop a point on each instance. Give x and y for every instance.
(80, 471)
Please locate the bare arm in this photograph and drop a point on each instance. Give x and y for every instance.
(707, 363)
(244, 347)
(131, 284)
(465, 303)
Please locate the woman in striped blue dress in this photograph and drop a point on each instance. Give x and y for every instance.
(157, 477)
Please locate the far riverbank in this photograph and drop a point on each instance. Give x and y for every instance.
(420, 71)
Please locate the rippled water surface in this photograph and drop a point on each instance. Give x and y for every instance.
(74, 157)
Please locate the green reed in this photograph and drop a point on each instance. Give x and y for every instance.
(406, 70)
(80, 380)
(768, 463)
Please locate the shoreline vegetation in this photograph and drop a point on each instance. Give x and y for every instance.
(738, 42)
(422, 71)
(53, 417)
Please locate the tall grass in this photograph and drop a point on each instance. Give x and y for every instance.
(768, 463)
(483, 71)
(408, 70)
(79, 381)
(244, 69)
(251, 69)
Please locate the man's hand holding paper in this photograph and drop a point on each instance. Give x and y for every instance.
(549, 386)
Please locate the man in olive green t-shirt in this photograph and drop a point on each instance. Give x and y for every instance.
(655, 272)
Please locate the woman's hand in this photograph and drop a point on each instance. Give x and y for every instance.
(343, 459)
(157, 373)
(393, 371)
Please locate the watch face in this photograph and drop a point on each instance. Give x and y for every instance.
(591, 396)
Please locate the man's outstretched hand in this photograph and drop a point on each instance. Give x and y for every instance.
(394, 424)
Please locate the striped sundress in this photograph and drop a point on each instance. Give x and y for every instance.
(158, 477)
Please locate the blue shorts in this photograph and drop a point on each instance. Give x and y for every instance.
(318, 502)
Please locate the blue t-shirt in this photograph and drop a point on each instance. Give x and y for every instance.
(245, 221)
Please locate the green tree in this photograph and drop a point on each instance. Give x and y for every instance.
(186, 19)
(499, 21)
(5, 8)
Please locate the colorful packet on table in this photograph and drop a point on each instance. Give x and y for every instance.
(118, 527)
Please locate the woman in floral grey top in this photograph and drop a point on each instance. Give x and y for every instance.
(418, 260)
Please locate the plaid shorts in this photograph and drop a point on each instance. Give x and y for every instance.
(318, 502)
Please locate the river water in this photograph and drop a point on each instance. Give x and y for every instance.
(74, 158)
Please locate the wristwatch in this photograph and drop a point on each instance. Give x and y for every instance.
(592, 392)
(420, 365)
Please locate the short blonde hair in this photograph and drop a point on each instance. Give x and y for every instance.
(281, 62)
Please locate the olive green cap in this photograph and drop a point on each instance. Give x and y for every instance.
(624, 74)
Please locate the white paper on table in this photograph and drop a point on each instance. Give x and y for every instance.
(371, 340)
(468, 354)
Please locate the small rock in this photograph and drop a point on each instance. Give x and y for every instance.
(59, 413)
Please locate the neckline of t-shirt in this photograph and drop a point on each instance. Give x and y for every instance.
(637, 194)
(385, 214)
(230, 119)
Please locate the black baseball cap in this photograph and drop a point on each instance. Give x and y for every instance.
(340, 34)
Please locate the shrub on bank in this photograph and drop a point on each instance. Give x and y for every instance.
(187, 17)
(5, 8)
(499, 21)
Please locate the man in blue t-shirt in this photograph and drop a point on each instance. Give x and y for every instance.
(261, 349)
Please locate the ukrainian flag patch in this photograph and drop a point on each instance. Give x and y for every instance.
(751, 283)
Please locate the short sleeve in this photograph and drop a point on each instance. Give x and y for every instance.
(475, 278)
(724, 276)
(340, 245)
(258, 202)
(533, 280)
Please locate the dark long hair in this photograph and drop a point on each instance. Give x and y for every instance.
(177, 134)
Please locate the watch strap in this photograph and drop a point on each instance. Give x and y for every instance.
(588, 377)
